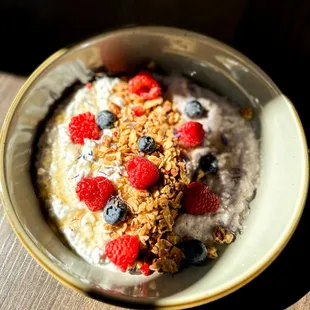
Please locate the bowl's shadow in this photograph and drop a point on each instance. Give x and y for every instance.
(283, 283)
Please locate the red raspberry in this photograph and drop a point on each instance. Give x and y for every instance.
(191, 134)
(144, 85)
(200, 200)
(95, 192)
(138, 110)
(122, 251)
(145, 268)
(83, 126)
(141, 173)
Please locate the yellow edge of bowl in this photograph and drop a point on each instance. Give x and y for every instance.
(37, 254)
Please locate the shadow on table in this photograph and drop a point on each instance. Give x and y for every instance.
(283, 283)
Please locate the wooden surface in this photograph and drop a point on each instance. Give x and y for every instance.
(23, 283)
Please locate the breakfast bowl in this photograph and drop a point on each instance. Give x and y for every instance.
(279, 199)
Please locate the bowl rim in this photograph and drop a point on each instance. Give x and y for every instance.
(68, 280)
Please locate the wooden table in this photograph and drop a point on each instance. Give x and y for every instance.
(23, 283)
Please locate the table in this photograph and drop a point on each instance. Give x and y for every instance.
(24, 284)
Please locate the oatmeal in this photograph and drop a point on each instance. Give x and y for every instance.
(136, 178)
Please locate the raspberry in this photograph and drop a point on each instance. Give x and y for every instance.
(138, 110)
(95, 192)
(122, 251)
(199, 199)
(141, 173)
(191, 134)
(144, 85)
(145, 268)
(83, 126)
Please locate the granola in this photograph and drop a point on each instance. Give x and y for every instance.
(153, 211)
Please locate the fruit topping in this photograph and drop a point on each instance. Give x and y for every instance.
(224, 140)
(195, 252)
(208, 163)
(115, 211)
(95, 192)
(190, 134)
(146, 144)
(145, 268)
(123, 251)
(199, 199)
(141, 173)
(194, 109)
(83, 126)
(144, 85)
(106, 119)
(138, 110)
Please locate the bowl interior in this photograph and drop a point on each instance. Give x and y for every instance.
(274, 212)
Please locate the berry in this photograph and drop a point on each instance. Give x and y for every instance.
(146, 144)
(144, 85)
(89, 85)
(195, 252)
(105, 119)
(191, 134)
(145, 268)
(200, 200)
(122, 251)
(208, 163)
(133, 271)
(95, 192)
(224, 140)
(83, 126)
(141, 173)
(193, 109)
(115, 211)
(138, 110)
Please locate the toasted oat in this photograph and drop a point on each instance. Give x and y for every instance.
(222, 235)
(153, 211)
(212, 253)
(114, 108)
(153, 103)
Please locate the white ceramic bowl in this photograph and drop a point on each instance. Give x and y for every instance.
(275, 211)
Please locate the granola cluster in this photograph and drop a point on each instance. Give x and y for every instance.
(153, 211)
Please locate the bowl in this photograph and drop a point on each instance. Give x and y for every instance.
(275, 211)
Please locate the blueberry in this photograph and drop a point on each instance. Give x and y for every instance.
(134, 271)
(193, 109)
(195, 252)
(115, 211)
(146, 144)
(105, 119)
(208, 163)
